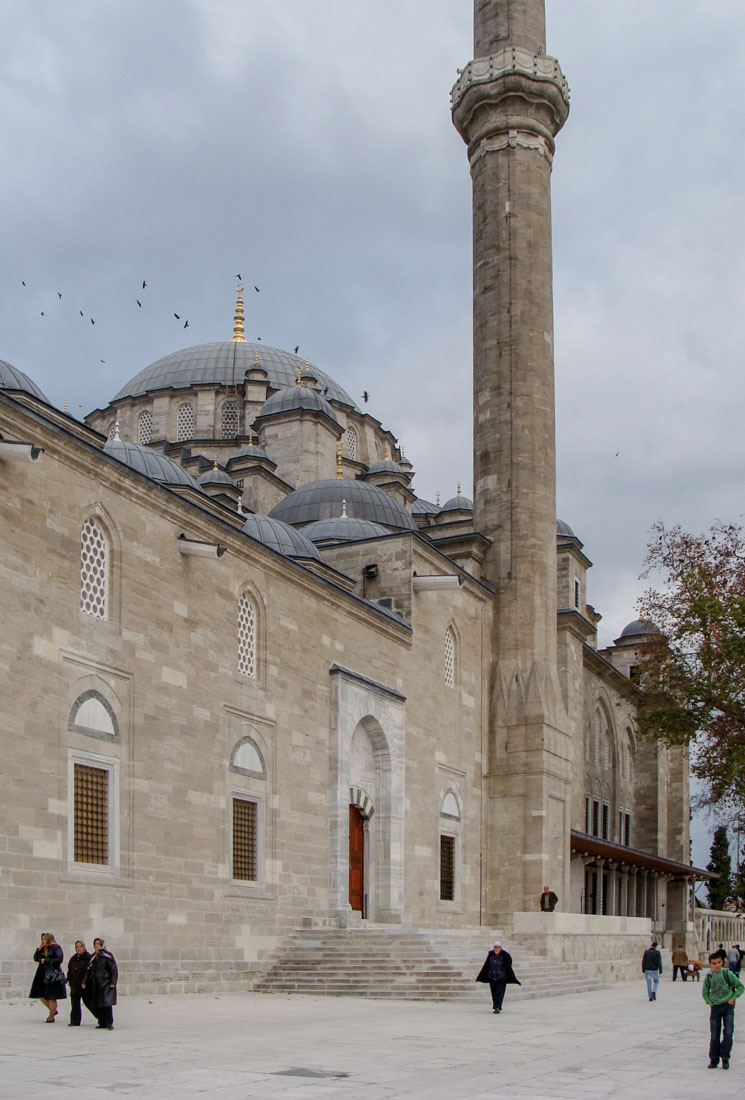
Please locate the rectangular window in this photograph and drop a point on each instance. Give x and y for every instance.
(588, 815)
(595, 817)
(606, 821)
(576, 592)
(447, 868)
(620, 826)
(93, 835)
(245, 840)
(627, 830)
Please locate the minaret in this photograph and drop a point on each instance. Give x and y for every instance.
(508, 104)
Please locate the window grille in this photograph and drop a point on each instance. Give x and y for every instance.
(606, 821)
(229, 420)
(145, 427)
(595, 817)
(576, 592)
(449, 658)
(184, 423)
(93, 570)
(606, 752)
(246, 637)
(627, 830)
(245, 840)
(351, 440)
(596, 739)
(112, 430)
(588, 814)
(91, 822)
(447, 868)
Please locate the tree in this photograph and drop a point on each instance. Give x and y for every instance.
(693, 669)
(720, 889)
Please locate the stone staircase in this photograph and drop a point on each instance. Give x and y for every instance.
(386, 961)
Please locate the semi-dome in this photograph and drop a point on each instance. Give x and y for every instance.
(344, 529)
(324, 500)
(385, 466)
(638, 627)
(294, 398)
(225, 364)
(563, 530)
(422, 507)
(214, 476)
(458, 504)
(280, 536)
(251, 450)
(13, 379)
(151, 463)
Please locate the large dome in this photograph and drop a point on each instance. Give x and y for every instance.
(13, 379)
(324, 499)
(225, 364)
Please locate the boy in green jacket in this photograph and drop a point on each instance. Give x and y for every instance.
(720, 990)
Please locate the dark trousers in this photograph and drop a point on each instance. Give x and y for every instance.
(75, 1013)
(683, 973)
(497, 992)
(105, 1016)
(721, 1020)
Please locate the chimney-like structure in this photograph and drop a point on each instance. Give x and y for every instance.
(508, 104)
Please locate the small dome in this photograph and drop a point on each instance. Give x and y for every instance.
(637, 628)
(344, 529)
(324, 499)
(423, 507)
(292, 398)
(385, 466)
(216, 477)
(563, 530)
(250, 451)
(151, 463)
(458, 504)
(225, 364)
(280, 536)
(13, 379)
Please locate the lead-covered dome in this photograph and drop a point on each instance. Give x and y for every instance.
(281, 537)
(151, 463)
(639, 627)
(344, 529)
(13, 379)
(225, 364)
(293, 398)
(324, 500)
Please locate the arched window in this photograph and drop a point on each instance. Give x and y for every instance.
(247, 813)
(229, 426)
(350, 438)
(449, 658)
(94, 570)
(247, 624)
(184, 422)
(596, 738)
(450, 817)
(145, 427)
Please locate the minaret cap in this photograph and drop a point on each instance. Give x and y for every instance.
(238, 337)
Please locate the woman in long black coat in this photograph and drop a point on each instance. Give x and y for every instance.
(49, 980)
(99, 986)
(76, 969)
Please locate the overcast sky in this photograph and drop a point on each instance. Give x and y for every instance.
(308, 147)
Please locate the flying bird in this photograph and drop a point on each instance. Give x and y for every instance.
(239, 278)
(177, 316)
(92, 321)
(297, 349)
(139, 303)
(81, 313)
(186, 324)
(58, 294)
(257, 290)
(22, 283)
(102, 360)
(144, 284)
(365, 395)
(42, 313)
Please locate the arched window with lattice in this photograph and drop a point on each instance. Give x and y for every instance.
(449, 657)
(229, 425)
(94, 570)
(247, 636)
(350, 441)
(184, 422)
(145, 427)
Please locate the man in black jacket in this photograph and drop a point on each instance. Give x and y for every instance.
(497, 971)
(652, 968)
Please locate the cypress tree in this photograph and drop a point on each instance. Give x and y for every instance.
(720, 889)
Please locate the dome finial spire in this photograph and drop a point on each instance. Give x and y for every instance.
(238, 337)
(339, 465)
(298, 381)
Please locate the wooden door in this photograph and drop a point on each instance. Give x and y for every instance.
(356, 859)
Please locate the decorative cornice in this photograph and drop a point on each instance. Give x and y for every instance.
(514, 60)
(511, 140)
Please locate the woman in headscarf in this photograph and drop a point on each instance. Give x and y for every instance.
(49, 980)
(99, 984)
(76, 969)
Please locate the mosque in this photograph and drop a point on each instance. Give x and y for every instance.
(254, 683)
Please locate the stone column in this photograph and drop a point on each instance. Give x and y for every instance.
(632, 889)
(508, 104)
(645, 875)
(612, 912)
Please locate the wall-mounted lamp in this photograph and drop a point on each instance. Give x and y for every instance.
(436, 584)
(19, 452)
(199, 549)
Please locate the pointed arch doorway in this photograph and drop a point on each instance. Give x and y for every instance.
(357, 861)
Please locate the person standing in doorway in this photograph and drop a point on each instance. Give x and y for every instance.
(549, 900)
(99, 984)
(652, 969)
(680, 963)
(720, 990)
(497, 971)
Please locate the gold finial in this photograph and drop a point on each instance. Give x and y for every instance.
(339, 472)
(214, 464)
(256, 357)
(458, 494)
(437, 499)
(387, 453)
(403, 454)
(297, 379)
(64, 407)
(238, 337)
(250, 438)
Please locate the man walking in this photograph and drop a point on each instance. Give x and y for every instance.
(549, 900)
(720, 990)
(497, 971)
(652, 969)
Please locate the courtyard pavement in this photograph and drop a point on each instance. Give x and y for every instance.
(611, 1043)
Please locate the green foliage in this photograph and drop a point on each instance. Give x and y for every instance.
(720, 890)
(693, 669)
